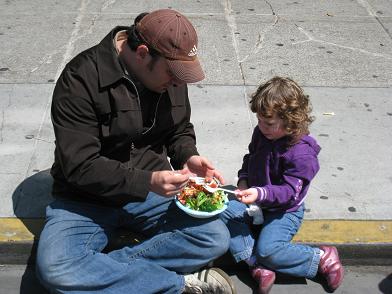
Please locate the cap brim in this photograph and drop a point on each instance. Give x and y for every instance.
(187, 71)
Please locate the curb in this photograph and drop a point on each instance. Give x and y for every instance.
(360, 242)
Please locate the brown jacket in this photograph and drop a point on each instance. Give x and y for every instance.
(101, 153)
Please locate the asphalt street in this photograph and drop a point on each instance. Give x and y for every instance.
(340, 51)
(17, 279)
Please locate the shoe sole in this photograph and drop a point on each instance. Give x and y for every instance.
(218, 274)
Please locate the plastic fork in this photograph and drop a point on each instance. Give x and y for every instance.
(201, 181)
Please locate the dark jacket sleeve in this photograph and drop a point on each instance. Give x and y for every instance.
(181, 144)
(78, 144)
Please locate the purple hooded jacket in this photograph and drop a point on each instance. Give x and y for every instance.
(281, 173)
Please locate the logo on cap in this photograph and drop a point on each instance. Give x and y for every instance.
(193, 51)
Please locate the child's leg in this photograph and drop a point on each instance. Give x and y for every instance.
(275, 250)
(241, 239)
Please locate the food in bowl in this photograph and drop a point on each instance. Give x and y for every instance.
(196, 197)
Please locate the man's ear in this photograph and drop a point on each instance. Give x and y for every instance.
(142, 51)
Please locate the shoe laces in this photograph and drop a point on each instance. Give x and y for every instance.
(329, 264)
(196, 286)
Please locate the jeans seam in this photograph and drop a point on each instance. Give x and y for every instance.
(154, 245)
(313, 265)
(87, 246)
(296, 221)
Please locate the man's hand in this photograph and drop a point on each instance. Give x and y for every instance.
(247, 196)
(168, 183)
(203, 168)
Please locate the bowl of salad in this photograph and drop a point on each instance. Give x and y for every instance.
(198, 202)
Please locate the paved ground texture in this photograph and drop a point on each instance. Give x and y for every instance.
(19, 279)
(339, 51)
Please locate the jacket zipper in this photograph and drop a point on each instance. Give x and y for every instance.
(137, 92)
(155, 114)
(138, 101)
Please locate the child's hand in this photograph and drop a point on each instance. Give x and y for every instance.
(247, 196)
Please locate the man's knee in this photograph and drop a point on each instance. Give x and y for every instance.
(56, 266)
(55, 273)
(219, 237)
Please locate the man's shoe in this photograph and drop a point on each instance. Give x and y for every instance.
(331, 267)
(264, 277)
(212, 280)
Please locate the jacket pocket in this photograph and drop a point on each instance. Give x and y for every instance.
(121, 117)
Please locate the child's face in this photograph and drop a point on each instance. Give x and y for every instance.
(272, 128)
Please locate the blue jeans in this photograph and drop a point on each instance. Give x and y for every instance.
(273, 248)
(70, 258)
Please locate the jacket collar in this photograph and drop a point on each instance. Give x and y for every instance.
(109, 67)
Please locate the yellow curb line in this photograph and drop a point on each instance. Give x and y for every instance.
(20, 230)
(345, 231)
(312, 231)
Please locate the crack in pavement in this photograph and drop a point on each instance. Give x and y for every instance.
(47, 59)
(259, 43)
(313, 39)
(66, 57)
(43, 140)
(230, 18)
(272, 9)
(75, 36)
(96, 16)
(3, 114)
(1, 173)
(2, 125)
(233, 28)
(365, 4)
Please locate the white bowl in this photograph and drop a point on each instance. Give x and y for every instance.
(199, 214)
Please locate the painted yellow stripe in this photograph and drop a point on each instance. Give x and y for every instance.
(312, 231)
(20, 230)
(345, 231)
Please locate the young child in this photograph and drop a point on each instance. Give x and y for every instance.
(275, 175)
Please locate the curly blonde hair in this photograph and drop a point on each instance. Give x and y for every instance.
(284, 97)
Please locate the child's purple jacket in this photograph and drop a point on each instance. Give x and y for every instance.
(281, 174)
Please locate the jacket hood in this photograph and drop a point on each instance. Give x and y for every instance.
(311, 142)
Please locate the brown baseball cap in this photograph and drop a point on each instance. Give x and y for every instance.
(174, 37)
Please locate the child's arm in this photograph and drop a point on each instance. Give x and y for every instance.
(295, 181)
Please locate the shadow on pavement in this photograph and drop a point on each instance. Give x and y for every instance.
(30, 199)
(242, 274)
(385, 285)
(32, 196)
(30, 284)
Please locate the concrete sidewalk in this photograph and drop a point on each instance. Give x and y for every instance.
(340, 51)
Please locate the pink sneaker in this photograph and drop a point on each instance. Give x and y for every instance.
(265, 278)
(331, 267)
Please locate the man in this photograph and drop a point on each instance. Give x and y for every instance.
(119, 110)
